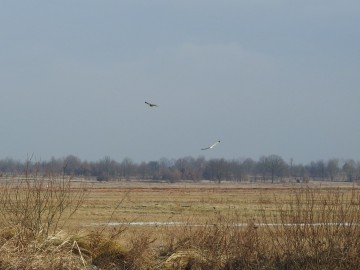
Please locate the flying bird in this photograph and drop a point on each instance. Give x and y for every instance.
(211, 146)
(151, 104)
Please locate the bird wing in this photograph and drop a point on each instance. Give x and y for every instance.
(151, 104)
(214, 144)
(211, 146)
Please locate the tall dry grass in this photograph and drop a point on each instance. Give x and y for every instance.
(319, 229)
(33, 211)
(312, 228)
(223, 243)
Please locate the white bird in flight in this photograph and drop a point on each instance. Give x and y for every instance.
(211, 146)
(151, 104)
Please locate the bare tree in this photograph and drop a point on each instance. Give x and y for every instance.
(316, 169)
(349, 168)
(332, 168)
(127, 166)
(217, 169)
(154, 169)
(273, 165)
(71, 165)
(236, 169)
(249, 167)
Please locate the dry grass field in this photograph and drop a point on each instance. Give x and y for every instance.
(67, 224)
(186, 202)
(182, 202)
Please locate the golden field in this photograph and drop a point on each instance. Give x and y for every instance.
(185, 202)
(203, 225)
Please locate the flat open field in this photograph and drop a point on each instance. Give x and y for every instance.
(146, 203)
(148, 225)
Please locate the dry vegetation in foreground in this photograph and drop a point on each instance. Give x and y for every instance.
(43, 226)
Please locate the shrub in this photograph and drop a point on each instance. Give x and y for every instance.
(33, 210)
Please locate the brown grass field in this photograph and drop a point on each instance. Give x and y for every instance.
(186, 202)
(70, 224)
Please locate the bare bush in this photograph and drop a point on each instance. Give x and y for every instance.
(33, 210)
(316, 229)
(220, 244)
(311, 229)
(38, 206)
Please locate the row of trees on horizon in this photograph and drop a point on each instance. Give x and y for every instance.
(268, 168)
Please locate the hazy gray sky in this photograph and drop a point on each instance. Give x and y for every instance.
(264, 77)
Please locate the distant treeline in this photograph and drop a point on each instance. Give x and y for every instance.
(268, 168)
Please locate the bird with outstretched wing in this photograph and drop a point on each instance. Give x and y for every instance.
(151, 104)
(211, 146)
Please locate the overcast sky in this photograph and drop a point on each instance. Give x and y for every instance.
(264, 77)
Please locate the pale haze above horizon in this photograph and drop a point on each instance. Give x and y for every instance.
(263, 77)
